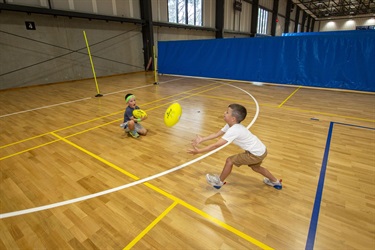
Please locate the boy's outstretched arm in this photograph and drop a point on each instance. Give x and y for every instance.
(200, 139)
(196, 150)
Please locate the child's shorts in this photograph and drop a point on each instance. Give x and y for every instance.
(248, 158)
(138, 126)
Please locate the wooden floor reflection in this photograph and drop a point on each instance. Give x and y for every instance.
(60, 142)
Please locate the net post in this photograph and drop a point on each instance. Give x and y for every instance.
(155, 67)
(92, 66)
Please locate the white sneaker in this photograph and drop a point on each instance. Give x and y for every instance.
(276, 184)
(214, 181)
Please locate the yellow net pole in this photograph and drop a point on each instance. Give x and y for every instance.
(92, 65)
(155, 67)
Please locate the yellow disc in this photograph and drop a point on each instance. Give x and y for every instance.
(172, 114)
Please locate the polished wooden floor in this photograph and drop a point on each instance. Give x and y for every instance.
(59, 142)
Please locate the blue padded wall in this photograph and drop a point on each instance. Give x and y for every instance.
(344, 59)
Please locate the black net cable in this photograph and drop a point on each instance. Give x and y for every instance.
(70, 51)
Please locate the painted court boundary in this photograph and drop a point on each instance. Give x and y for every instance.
(139, 181)
(95, 119)
(55, 131)
(41, 208)
(177, 202)
(319, 191)
(79, 100)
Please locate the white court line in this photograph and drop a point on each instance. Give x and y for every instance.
(148, 85)
(44, 107)
(82, 198)
(79, 100)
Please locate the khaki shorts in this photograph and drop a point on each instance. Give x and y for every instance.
(248, 158)
(138, 127)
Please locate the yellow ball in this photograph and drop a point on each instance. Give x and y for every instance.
(139, 113)
(172, 114)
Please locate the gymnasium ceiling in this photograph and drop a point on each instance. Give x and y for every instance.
(335, 9)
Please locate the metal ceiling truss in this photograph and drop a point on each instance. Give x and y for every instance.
(338, 8)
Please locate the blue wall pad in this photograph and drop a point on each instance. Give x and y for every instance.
(344, 59)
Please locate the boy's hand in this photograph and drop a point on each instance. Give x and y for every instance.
(197, 140)
(193, 150)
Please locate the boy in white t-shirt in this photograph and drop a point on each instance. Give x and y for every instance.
(233, 131)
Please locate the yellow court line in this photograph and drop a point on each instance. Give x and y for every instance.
(174, 198)
(158, 100)
(185, 97)
(26, 150)
(58, 130)
(288, 97)
(210, 217)
(24, 140)
(96, 157)
(61, 129)
(92, 128)
(49, 133)
(299, 110)
(101, 125)
(98, 118)
(149, 227)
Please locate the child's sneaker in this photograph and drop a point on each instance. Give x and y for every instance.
(276, 184)
(214, 180)
(134, 134)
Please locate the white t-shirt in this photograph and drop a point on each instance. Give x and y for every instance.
(243, 138)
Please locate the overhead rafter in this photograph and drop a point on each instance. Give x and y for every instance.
(321, 9)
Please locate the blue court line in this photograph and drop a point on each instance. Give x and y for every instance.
(352, 125)
(319, 191)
